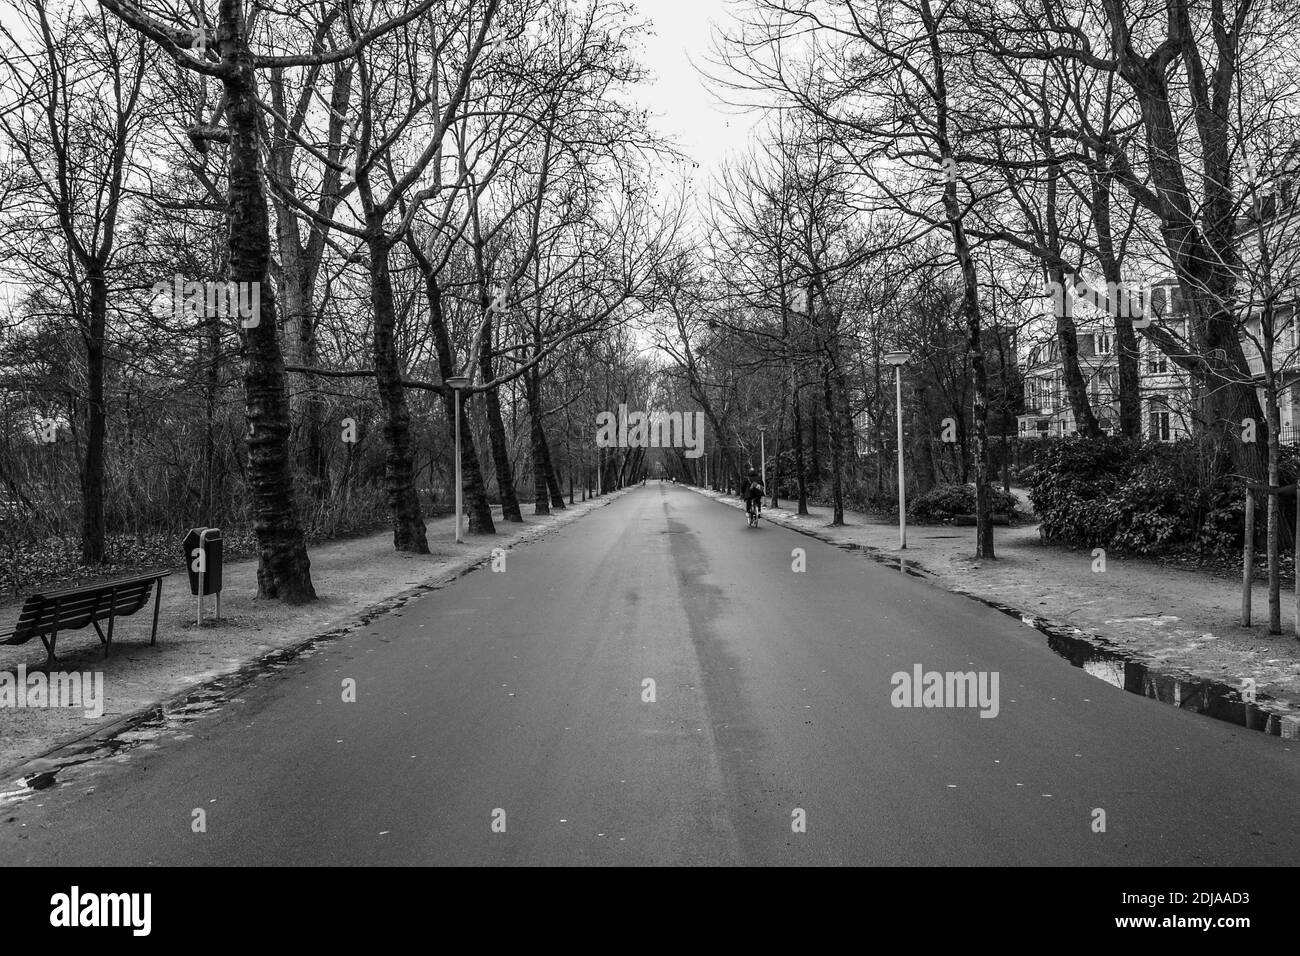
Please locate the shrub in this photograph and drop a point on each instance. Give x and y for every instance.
(946, 501)
(1144, 498)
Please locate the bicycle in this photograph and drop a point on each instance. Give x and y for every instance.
(753, 507)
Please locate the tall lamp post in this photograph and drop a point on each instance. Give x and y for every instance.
(762, 455)
(898, 360)
(458, 382)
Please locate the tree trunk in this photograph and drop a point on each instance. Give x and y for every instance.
(312, 426)
(1274, 502)
(552, 482)
(814, 457)
(497, 432)
(961, 450)
(537, 441)
(474, 487)
(210, 356)
(92, 472)
(924, 470)
(399, 469)
(970, 297)
(1126, 345)
(837, 488)
(801, 480)
(776, 460)
(284, 570)
(305, 403)
(1067, 344)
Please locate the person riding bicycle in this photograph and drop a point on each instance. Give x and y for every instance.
(751, 490)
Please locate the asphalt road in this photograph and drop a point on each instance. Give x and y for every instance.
(515, 702)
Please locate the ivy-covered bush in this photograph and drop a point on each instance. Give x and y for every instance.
(946, 501)
(1143, 498)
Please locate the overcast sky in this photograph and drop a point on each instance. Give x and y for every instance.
(687, 109)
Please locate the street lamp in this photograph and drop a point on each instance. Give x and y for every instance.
(762, 452)
(458, 382)
(898, 360)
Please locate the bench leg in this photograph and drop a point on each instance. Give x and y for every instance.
(49, 649)
(54, 636)
(112, 618)
(157, 597)
(102, 639)
(106, 640)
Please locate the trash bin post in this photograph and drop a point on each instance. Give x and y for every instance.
(206, 579)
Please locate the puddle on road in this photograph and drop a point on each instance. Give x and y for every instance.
(903, 566)
(41, 781)
(1199, 695)
(163, 719)
(894, 561)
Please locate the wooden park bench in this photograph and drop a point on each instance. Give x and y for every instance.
(45, 615)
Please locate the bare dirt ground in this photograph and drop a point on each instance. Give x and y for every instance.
(352, 578)
(1177, 621)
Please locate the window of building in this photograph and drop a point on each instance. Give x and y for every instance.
(1286, 327)
(1157, 363)
(1158, 299)
(1103, 343)
(1160, 426)
(1167, 300)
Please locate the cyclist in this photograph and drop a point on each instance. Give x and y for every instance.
(751, 490)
